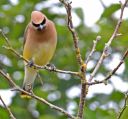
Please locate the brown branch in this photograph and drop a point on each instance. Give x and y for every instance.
(8, 109)
(71, 28)
(59, 71)
(112, 72)
(8, 78)
(80, 61)
(17, 88)
(82, 100)
(108, 44)
(53, 106)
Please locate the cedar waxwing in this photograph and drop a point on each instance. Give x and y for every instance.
(40, 41)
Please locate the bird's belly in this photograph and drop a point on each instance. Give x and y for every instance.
(40, 53)
(43, 54)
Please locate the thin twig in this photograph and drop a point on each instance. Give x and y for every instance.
(102, 3)
(17, 88)
(115, 33)
(39, 77)
(8, 109)
(121, 113)
(53, 106)
(6, 39)
(8, 78)
(93, 48)
(112, 72)
(107, 45)
(16, 53)
(59, 71)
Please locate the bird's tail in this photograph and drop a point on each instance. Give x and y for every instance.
(30, 75)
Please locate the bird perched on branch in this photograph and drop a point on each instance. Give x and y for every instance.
(40, 41)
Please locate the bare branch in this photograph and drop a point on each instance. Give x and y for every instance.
(102, 3)
(84, 90)
(58, 70)
(115, 33)
(17, 88)
(8, 109)
(6, 39)
(112, 72)
(107, 45)
(80, 61)
(93, 48)
(103, 56)
(8, 78)
(71, 28)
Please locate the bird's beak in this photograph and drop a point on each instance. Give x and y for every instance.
(41, 27)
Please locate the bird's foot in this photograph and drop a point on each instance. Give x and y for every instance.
(29, 90)
(51, 67)
(30, 63)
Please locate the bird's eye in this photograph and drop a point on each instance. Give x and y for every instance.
(43, 22)
(36, 25)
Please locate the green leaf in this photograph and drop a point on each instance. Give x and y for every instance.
(124, 115)
(79, 12)
(110, 10)
(47, 117)
(124, 112)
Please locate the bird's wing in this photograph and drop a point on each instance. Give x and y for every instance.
(25, 34)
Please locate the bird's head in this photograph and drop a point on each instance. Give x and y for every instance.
(38, 20)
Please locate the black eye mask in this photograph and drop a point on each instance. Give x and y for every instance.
(42, 23)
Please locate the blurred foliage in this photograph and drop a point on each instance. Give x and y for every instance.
(13, 20)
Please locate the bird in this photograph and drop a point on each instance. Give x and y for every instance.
(40, 40)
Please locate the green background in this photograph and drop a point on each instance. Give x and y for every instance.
(56, 85)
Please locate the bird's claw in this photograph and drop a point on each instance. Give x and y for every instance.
(30, 63)
(51, 67)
